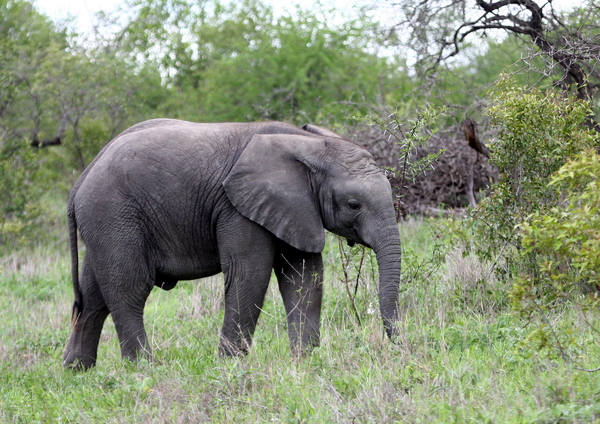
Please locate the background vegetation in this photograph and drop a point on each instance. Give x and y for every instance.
(499, 301)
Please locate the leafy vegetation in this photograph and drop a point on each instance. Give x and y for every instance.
(538, 132)
(538, 229)
(498, 309)
(565, 244)
(568, 232)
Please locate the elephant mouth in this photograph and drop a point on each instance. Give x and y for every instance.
(352, 237)
(352, 243)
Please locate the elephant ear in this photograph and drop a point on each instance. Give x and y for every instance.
(270, 184)
(320, 131)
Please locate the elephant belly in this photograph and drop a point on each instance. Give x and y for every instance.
(169, 272)
(164, 281)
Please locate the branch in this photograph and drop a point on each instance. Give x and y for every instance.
(586, 370)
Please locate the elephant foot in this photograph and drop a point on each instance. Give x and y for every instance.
(137, 354)
(302, 350)
(236, 349)
(75, 362)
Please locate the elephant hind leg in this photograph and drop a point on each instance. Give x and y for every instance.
(82, 349)
(126, 287)
(129, 323)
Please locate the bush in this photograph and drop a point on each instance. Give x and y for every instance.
(567, 237)
(540, 228)
(20, 190)
(397, 144)
(538, 132)
(565, 242)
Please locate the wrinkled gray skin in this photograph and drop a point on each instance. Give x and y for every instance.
(169, 200)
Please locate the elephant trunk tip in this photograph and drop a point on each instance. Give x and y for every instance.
(392, 331)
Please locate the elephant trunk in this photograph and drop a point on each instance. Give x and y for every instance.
(388, 252)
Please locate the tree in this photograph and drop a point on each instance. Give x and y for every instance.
(441, 29)
(571, 43)
(56, 90)
(237, 61)
(26, 40)
(94, 93)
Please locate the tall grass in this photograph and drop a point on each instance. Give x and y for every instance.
(462, 356)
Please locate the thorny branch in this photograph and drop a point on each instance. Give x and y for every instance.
(346, 261)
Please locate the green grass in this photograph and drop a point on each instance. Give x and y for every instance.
(461, 358)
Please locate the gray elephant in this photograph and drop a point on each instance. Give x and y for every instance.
(170, 200)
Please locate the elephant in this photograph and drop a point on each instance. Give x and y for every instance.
(169, 200)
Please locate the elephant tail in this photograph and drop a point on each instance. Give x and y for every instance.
(78, 304)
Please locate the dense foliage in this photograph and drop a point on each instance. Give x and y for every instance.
(202, 62)
(538, 229)
(563, 243)
(537, 132)
(236, 61)
(498, 309)
(568, 234)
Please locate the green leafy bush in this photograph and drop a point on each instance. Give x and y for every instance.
(20, 190)
(537, 132)
(540, 228)
(565, 242)
(568, 235)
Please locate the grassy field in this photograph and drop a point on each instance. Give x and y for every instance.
(462, 357)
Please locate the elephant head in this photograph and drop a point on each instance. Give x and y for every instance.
(298, 185)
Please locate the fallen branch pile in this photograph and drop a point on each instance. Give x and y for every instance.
(458, 179)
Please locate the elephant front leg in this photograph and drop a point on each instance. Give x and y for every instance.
(247, 261)
(300, 278)
(129, 323)
(244, 297)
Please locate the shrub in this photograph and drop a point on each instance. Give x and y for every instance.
(540, 228)
(20, 191)
(568, 235)
(565, 242)
(404, 136)
(537, 132)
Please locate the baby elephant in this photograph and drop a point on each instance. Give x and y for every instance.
(169, 200)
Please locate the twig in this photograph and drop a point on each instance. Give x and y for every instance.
(345, 264)
(586, 370)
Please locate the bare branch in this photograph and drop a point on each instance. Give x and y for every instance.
(572, 41)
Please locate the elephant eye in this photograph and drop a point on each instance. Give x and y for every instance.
(353, 204)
